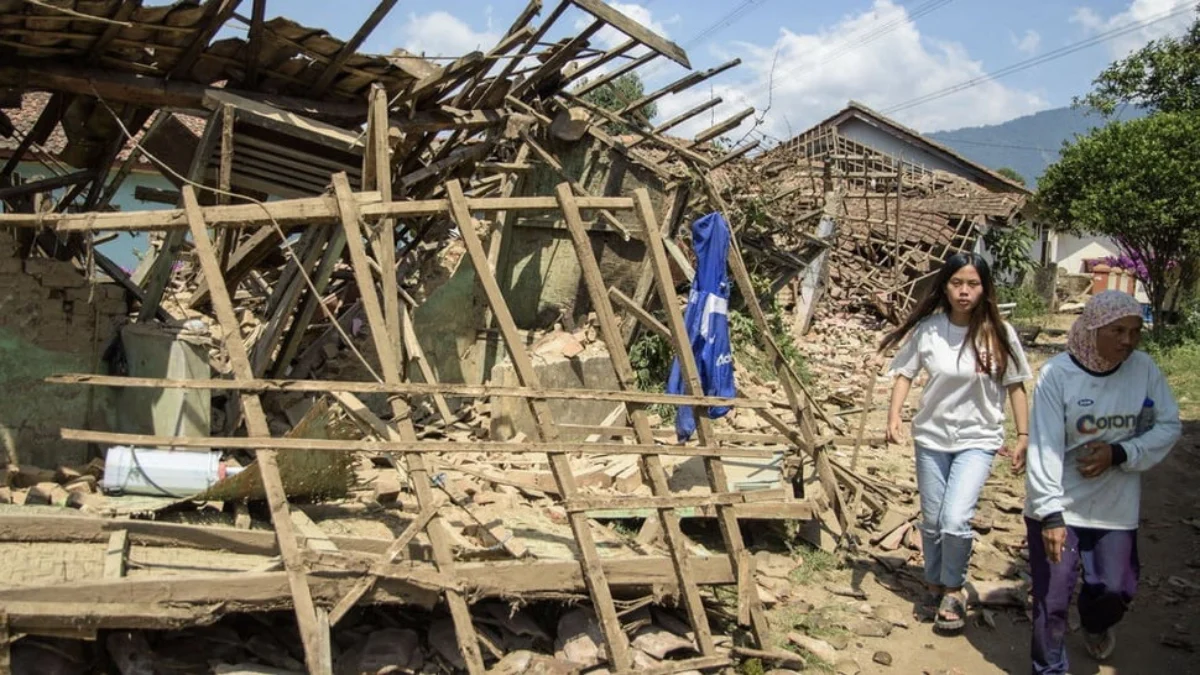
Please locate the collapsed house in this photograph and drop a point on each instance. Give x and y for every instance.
(378, 275)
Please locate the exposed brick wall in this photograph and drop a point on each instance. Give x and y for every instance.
(51, 320)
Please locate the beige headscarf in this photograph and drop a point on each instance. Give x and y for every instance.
(1103, 309)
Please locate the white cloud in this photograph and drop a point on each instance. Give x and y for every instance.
(442, 34)
(877, 57)
(1028, 43)
(1139, 11)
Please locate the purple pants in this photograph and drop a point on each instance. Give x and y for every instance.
(1110, 575)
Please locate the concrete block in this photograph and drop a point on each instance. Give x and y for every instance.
(589, 369)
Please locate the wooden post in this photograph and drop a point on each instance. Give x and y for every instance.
(651, 464)
(256, 424)
(439, 536)
(593, 572)
(717, 480)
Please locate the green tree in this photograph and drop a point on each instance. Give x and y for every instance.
(1137, 182)
(1012, 174)
(617, 94)
(1163, 76)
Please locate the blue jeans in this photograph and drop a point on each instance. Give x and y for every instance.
(949, 483)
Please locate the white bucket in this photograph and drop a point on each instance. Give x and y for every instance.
(166, 473)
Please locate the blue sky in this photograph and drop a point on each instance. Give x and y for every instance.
(880, 52)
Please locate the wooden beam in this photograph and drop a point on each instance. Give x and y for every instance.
(616, 73)
(47, 184)
(717, 480)
(501, 79)
(635, 30)
(446, 118)
(216, 13)
(646, 318)
(413, 389)
(561, 57)
(410, 447)
(600, 60)
(154, 92)
(439, 535)
(326, 77)
(46, 121)
(685, 82)
(313, 211)
(254, 53)
(651, 464)
(680, 119)
(720, 128)
(256, 425)
(114, 556)
(589, 557)
(124, 11)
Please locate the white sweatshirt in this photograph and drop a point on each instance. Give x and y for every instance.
(1071, 407)
(961, 408)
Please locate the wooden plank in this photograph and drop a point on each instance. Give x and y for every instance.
(247, 256)
(216, 13)
(559, 169)
(114, 555)
(348, 49)
(394, 551)
(635, 30)
(47, 184)
(668, 502)
(717, 480)
(408, 447)
(312, 302)
(651, 464)
(5, 644)
(646, 318)
(254, 53)
(256, 424)
(412, 388)
(47, 119)
(417, 353)
(593, 572)
(439, 537)
(501, 79)
(617, 119)
(720, 128)
(286, 295)
(313, 211)
(377, 167)
(599, 61)
(677, 204)
(563, 54)
(612, 75)
(746, 586)
(681, 118)
(268, 116)
(685, 82)
(112, 30)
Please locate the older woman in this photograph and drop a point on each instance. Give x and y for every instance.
(1102, 415)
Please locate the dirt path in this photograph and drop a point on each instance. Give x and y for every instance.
(1157, 636)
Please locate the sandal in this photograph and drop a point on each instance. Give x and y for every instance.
(951, 613)
(927, 607)
(1100, 645)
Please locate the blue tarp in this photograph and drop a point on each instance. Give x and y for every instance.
(707, 322)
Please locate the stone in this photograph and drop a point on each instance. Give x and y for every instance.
(387, 490)
(392, 647)
(580, 639)
(869, 627)
(847, 666)
(525, 662)
(659, 642)
(882, 658)
(893, 615)
(817, 647)
(775, 565)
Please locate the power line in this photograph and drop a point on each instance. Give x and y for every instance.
(992, 144)
(1039, 60)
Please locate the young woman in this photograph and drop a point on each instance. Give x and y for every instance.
(973, 359)
(1102, 414)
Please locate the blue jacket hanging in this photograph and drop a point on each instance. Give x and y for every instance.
(707, 322)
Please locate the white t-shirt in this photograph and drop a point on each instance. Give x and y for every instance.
(1072, 407)
(961, 407)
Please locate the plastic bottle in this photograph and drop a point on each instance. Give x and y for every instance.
(1145, 419)
(163, 473)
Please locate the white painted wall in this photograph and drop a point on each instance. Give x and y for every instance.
(870, 135)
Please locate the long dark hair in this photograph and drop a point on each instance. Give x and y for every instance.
(985, 332)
